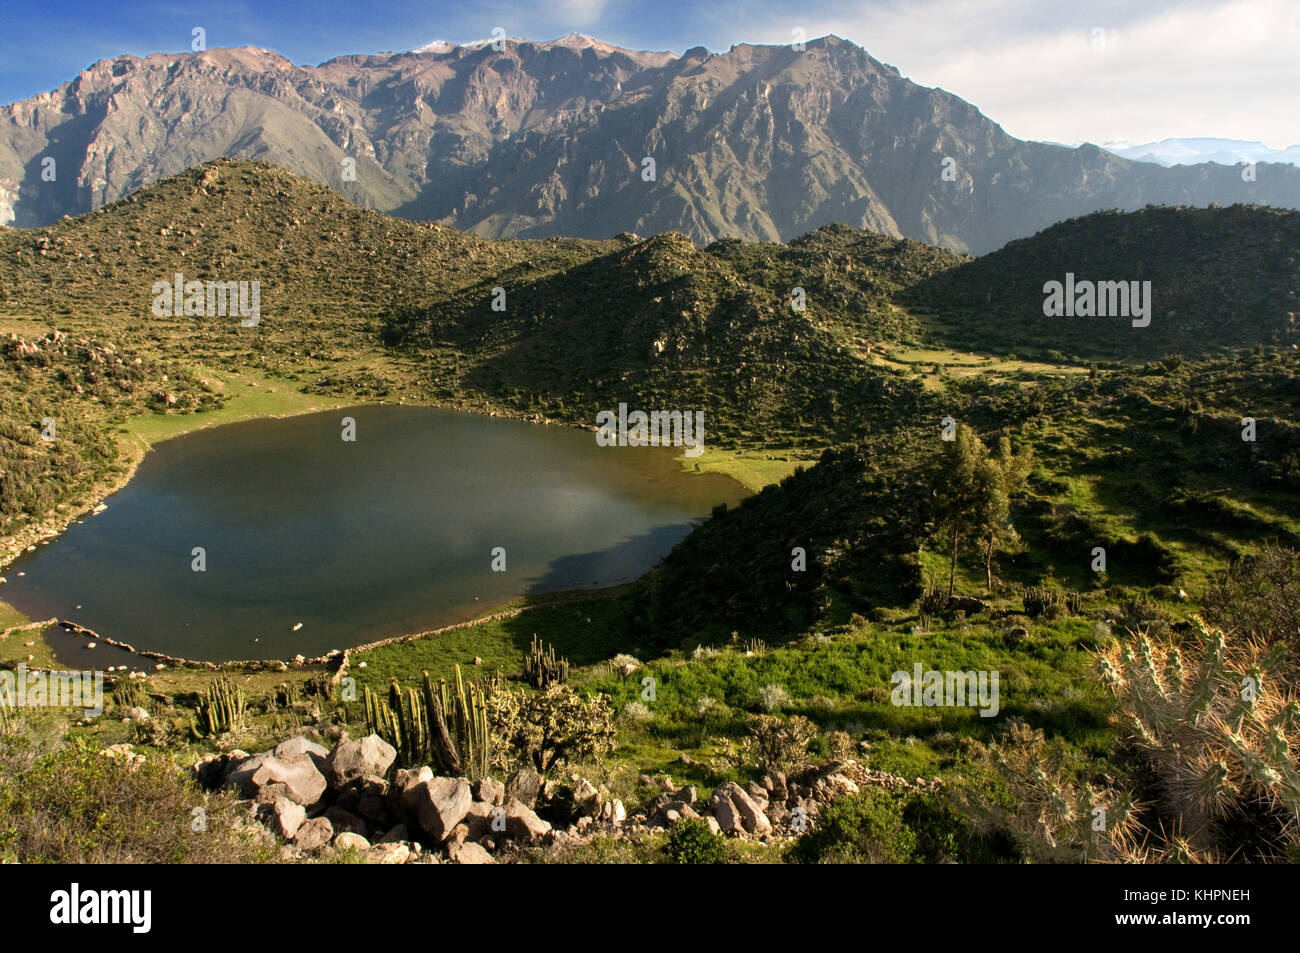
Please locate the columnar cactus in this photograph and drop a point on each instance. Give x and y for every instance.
(443, 725)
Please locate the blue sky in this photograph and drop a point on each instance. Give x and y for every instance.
(1097, 70)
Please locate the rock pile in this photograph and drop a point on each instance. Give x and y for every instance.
(771, 806)
(319, 800)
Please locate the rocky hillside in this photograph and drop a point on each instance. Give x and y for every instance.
(762, 143)
(1219, 278)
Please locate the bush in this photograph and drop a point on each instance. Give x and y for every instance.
(691, 841)
(1259, 596)
(780, 743)
(840, 745)
(75, 805)
(943, 833)
(866, 828)
(550, 727)
(637, 711)
(773, 696)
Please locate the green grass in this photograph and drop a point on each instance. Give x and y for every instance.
(752, 471)
(584, 627)
(248, 396)
(14, 648)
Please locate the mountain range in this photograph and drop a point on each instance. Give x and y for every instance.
(1194, 151)
(535, 139)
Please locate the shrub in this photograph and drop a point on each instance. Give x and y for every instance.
(1259, 596)
(637, 711)
(840, 745)
(550, 727)
(773, 696)
(624, 662)
(780, 743)
(705, 705)
(691, 841)
(865, 828)
(74, 805)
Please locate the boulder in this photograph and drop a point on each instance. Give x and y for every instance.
(523, 825)
(775, 783)
(314, 834)
(350, 796)
(396, 834)
(374, 809)
(404, 791)
(388, 853)
(348, 840)
(302, 745)
(613, 812)
(725, 811)
(586, 799)
(287, 817)
(833, 786)
(441, 804)
(524, 786)
(239, 770)
(668, 811)
(469, 852)
(478, 820)
(294, 777)
(751, 813)
(349, 760)
(490, 791)
(210, 770)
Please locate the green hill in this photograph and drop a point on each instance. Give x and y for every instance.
(1220, 278)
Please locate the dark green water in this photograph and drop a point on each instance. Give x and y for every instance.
(389, 535)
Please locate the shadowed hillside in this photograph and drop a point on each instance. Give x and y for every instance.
(1220, 277)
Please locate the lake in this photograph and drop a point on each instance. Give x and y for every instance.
(390, 534)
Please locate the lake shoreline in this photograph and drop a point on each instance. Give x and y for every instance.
(135, 447)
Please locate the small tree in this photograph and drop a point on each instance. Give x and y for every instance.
(1001, 479)
(957, 495)
(973, 493)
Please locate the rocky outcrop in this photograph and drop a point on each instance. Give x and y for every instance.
(350, 798)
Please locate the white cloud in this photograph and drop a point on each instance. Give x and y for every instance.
(1229, 69)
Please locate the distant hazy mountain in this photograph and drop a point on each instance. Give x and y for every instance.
(539, 139)
(1192, 151)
